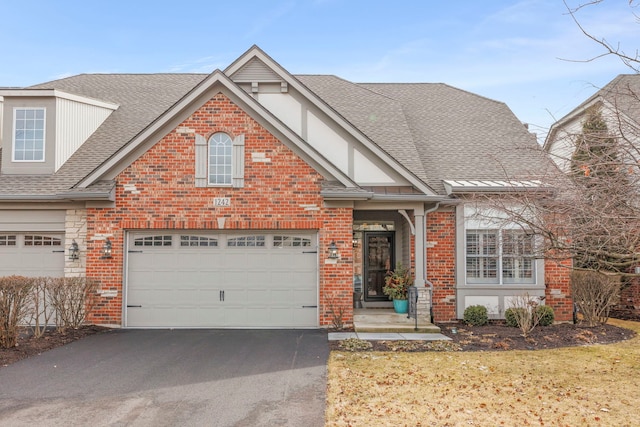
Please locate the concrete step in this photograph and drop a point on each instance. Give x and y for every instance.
(386, 320)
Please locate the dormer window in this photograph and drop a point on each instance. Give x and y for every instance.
(28, 135)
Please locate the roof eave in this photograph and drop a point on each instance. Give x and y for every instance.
(56, 93)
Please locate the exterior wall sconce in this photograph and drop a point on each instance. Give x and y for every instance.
(333, 251)
(74, 251)
(106, 249)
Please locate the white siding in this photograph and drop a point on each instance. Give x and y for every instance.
(562, 147)
(32, 220)
(366, 172)
(1, 120)
(328, 142)
(75, 122)
(285, 108)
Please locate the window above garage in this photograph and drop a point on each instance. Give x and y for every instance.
(219, 161)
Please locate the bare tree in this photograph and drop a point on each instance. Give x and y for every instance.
(589, 212)
(631, 60)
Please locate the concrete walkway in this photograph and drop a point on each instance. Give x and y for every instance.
(387, 336)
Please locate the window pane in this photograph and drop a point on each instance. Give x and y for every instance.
(29, 135)
(482, 256)
(220, 146)
(517, 263)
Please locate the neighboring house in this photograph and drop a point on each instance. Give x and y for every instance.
(251, 197)
(619, 104)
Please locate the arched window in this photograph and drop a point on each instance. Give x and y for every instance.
(220, 159)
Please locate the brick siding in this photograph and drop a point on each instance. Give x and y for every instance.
(558, 289)
(441, 263)
(157, 191)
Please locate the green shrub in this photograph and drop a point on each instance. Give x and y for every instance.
(476, 315)
(511, 316)
(545, 315)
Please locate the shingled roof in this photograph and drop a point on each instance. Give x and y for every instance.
(435, 131)
(141, 99)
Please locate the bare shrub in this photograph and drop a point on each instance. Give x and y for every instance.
(336, 308)
(14, 298)
(595, 294)
(524, 312)
(73, 299)
(40, 310)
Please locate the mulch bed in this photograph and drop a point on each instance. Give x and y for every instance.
(496, 336)
(28, 346)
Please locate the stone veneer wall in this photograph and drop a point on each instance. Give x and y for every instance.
(75, 229)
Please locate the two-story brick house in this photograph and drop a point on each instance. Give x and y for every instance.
(251, 197)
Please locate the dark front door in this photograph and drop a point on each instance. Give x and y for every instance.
(378, 260)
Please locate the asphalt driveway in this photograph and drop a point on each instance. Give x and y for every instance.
(171, 378)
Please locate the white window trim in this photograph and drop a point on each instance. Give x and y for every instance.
(44, 135)
(217, 184)
(500, 279)
(471, 220)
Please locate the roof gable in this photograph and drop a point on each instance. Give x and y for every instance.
(214, 83)
(261, 65)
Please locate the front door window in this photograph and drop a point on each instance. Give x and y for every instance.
(378, 261)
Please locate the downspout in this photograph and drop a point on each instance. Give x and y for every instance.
(427, 281)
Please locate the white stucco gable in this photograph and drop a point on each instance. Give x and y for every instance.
(319, 125)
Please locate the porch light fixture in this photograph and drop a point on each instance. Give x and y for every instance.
(106, 249)
(333, 250)
(74, 251)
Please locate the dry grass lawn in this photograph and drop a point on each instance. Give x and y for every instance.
(597, 385)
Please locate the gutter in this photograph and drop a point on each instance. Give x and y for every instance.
(62, 197)
(369, 195)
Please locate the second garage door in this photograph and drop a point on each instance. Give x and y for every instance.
(195, 279)
(31, 254)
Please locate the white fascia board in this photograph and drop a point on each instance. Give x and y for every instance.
(22, 93)
(217, 77)
(255, 51)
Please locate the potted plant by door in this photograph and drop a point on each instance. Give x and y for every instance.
(396, 287)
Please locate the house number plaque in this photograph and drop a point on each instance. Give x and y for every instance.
(222, 201)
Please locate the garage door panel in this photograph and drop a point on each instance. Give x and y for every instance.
(32, 254)
(180, 286)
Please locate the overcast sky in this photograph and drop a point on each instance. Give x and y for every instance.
(512, 51)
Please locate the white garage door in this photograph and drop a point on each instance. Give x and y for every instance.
(32, 254)
(196, 279)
